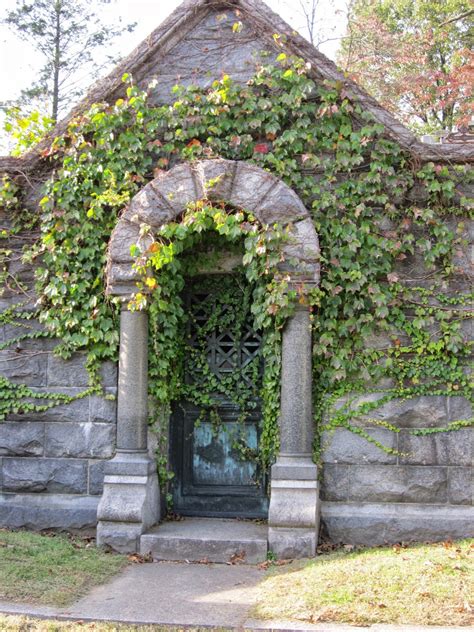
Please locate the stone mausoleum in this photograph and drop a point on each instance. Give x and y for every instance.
(90, 463)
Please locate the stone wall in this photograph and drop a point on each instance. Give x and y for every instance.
(56, 455)
(424, 492)
(208, 50)
(51, 462)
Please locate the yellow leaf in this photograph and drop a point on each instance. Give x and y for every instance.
(150, 282)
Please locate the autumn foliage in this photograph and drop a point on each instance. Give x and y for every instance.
(414, 57)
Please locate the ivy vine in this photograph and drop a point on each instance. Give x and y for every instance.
(385, 318)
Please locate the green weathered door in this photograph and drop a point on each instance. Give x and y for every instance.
(214, 443)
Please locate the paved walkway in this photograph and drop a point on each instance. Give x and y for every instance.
(182, 594)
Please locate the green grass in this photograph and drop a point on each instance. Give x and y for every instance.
(54, 569)
(28, 624)
(427, 584)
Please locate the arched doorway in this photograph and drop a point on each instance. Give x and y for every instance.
(129, 505)
(215, 438)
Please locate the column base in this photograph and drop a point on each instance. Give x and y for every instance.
(293, 518)
(130, 503)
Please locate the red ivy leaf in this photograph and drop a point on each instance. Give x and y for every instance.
(261, 148)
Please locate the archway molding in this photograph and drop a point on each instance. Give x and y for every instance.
(239, 184)
(130, 502)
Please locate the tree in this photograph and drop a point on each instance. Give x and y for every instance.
(317, 20)
(25, 130)
(66, 33)
(414, 57)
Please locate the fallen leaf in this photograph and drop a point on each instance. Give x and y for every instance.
(235, 558)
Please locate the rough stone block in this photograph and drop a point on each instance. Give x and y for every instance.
(22, 438)
(26, 367)
(336, 482)
(419, 412)
(70, 372)
(178, 188)
(125, 235)
(205, 53)
(104, 410)
(459, 408)
(22, 327)
(122, 274)
(460, 447)
(147, 207)
(460, 485)
(463, 259)
(281, 206)
(423, 450)
(109, 374)
(374, 524)
(292, 543)
(344, 446)
(414, 267)
(77, 410)
(392, 483)
(48, 511)
(216, 177)
(86, 440)
(250, 186)
(418, 193)
(96, 477)
(64, 476)
(22, 271)
(467, 329)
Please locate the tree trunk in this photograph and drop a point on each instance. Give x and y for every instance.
(57, 61)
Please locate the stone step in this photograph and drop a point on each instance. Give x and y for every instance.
(212, 539)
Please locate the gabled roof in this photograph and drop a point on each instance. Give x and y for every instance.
(266, 23)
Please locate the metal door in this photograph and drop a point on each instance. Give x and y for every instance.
(213, 447)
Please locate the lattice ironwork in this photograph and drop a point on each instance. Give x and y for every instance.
(221, 332)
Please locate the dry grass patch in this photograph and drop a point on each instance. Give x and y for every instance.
(427, 584)
(28, 624)
(53, 569)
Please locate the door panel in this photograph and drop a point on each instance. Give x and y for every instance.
(211, 478)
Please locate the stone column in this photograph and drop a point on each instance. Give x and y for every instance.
(293, 518)
(130, 502)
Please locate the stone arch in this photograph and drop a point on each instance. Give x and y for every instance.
(238, 183)
(130, 501)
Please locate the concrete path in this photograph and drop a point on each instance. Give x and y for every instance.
(180, 594)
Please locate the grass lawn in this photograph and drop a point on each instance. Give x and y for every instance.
(427, 584)
(26, 624)
(52, 570)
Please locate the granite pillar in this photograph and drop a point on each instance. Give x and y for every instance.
(293, 518)
(130, 501)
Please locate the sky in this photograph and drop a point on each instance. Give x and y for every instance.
(19, 62)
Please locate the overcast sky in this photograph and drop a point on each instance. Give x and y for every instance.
(18, 61)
